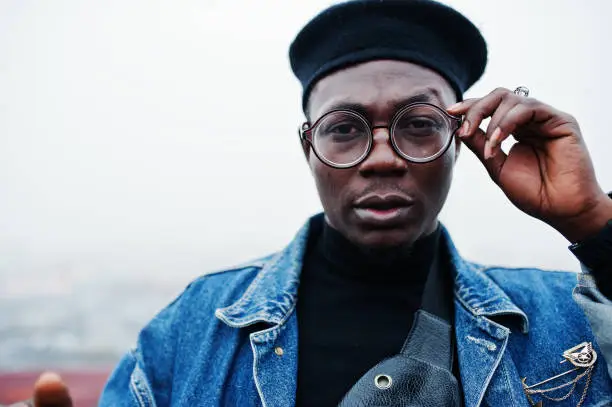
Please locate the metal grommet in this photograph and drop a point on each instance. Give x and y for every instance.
(383, 381)
(279, 351)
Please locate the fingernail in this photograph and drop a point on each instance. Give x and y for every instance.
(487, 150)
(495, 152)
(465, 128)
(455, 106)
(494, 140)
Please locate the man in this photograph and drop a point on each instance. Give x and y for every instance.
(371, 304)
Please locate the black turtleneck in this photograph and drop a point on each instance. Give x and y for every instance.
(355, 308)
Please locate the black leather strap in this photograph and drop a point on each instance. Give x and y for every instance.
(421, 374)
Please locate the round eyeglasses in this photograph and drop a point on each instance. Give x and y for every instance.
(419, 133)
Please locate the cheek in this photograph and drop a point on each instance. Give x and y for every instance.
(330, 183)
(444, 171)
(435, 177)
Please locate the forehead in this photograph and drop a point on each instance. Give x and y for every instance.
(378, 87)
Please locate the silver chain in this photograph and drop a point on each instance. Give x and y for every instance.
(574, 382)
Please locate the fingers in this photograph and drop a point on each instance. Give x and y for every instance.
(516, 116)
(525, 118)
(493, 133)
(476, 110)
(50, 391)
(494, 162)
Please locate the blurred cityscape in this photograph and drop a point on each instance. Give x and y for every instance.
(67, 320)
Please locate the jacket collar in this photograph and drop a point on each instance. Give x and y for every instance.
(477, 292)
(272, 296)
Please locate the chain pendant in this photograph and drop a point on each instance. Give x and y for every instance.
(583, 358)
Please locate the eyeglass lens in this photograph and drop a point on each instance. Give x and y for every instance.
(418, 132)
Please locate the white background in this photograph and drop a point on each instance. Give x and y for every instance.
(150, 140)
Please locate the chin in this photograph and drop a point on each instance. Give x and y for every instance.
(385, 239)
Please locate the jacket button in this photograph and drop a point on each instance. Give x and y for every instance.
(279, 351)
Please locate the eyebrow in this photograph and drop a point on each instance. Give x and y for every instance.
(363, 109)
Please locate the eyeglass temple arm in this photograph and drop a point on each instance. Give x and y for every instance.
(303, 130)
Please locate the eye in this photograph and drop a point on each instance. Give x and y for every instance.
(418, 126)
(342, 129)
(419, 123)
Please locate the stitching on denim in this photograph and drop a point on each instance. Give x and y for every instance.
(240, 323)
(506, 375)
(136, 393)
(463, 294)
(253, 264)
(257, 384)
(524, 328)
(297, 245)
(133, 380)
(248, 294)
(466, 305)
(267, 335)
(495, 365)
(140, 388)
(255, 283)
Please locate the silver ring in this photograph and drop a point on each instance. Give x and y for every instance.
(521, 91)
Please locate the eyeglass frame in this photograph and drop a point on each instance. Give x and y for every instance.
(305, 132)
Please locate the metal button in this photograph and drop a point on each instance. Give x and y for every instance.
(279, 351)
(383, 381)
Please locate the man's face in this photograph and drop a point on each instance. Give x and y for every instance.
(385, 201)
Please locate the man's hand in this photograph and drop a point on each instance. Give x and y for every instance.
(548, 173)
(50, 391)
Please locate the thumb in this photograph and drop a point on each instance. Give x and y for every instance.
(51, 391)
(494, 163)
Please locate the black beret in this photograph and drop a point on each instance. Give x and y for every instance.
(420, 31)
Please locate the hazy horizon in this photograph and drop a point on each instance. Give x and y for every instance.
(143, 143)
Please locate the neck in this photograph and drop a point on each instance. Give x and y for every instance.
(400, 262)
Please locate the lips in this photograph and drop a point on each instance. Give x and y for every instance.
(383, 209)
(383, 201)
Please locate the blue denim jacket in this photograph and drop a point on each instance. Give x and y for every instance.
(231, 338)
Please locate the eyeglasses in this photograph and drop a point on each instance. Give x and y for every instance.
(419, 133)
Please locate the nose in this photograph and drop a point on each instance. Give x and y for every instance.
(383, 160)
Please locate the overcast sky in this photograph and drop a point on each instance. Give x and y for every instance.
(149, 137)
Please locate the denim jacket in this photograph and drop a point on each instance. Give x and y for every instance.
(231, 338)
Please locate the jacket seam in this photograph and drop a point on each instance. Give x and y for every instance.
(525, 324)
(242, 323)
(249, 291)
(465, 304)
(255, 264)
(141, 391)
(495, 365)
(257, 384)
(208, 275)
(265, 333)
(488, 268)
(508, 383)
(491, 283)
